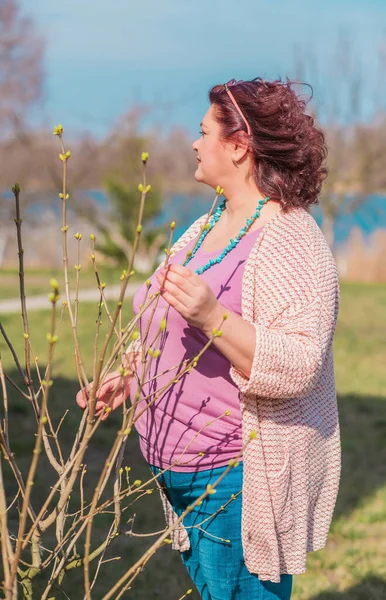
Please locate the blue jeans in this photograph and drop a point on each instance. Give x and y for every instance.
(215, 560)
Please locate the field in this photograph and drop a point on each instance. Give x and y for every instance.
(353, 564)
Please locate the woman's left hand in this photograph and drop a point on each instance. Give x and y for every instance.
(190, 295)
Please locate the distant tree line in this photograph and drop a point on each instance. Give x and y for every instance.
(356, 161)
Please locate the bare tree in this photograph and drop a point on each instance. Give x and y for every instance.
(21, 69)
(21, 88)
(357, 150)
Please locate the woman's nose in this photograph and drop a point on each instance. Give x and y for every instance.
(194, 145)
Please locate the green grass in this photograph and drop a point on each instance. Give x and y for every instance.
(360, 342)
(353, 564)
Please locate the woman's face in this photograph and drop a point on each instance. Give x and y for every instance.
(214, 164)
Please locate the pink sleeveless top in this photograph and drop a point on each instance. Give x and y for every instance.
(172, 423)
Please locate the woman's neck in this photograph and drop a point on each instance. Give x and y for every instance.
(239, 209)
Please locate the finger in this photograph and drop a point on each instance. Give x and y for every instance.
(107, 388)
(183, 283)
(98, 413)
(105, 416)
(85, 392)
(81, 398)
(184, 272)
(177, 293)
(101, 409)
(100, 405)
(175, 303)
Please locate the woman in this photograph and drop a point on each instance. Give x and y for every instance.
(266, 385)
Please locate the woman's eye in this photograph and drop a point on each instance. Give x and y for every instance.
(201, 132)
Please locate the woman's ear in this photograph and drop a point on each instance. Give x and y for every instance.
(240, 151)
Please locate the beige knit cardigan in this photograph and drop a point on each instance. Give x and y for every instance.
(290, 293)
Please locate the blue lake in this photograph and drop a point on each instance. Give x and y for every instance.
(184, 209)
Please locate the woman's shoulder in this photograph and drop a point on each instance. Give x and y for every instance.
(294, 232)
(293, 254)
(296, 220)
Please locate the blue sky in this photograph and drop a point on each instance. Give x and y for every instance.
(103, 57)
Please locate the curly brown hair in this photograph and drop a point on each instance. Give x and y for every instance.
(288, 149)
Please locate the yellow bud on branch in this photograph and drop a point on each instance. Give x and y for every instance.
(58, 130)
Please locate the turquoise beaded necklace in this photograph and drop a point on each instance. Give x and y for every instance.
(233, 242)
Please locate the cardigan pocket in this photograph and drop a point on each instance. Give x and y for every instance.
(281, 496)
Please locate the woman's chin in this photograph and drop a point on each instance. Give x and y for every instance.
(198, 175)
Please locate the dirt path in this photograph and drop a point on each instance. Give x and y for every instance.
(42, 302)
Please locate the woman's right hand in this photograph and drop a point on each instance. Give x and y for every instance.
(113, 385)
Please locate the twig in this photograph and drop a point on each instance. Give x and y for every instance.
(186, 594)
(78, 237)
(96, 339)
(18, 222)
(36, 451)
(5, 403)
(6, 547)
(64, 156)
(15, 358)
(110, 536)
(14, 500)
(61, 422)
(21, 392)
(81, 490)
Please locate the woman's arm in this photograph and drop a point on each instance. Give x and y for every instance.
(238, 339)
(282, 361)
